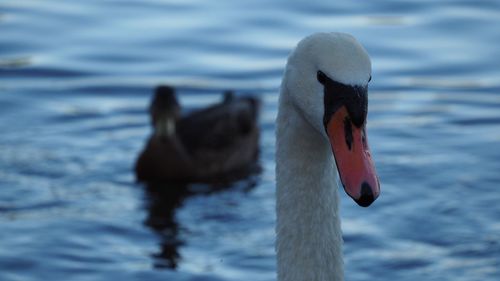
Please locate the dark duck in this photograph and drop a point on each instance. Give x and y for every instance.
(217, 144)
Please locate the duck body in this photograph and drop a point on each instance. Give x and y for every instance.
(216, 144)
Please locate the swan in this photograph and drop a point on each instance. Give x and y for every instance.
(320, 130)
(217, 144)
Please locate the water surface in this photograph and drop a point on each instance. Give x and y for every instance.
(75, 81)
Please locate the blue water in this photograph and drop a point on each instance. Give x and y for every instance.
(76, 78)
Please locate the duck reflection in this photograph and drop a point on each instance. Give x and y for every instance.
(162, 202)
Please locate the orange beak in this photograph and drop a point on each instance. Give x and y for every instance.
(352, 155)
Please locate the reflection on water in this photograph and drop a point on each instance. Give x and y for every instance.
(15, 62)
(162, 203)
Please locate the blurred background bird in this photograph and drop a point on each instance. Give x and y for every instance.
(216, 144)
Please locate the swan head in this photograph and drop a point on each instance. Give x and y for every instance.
(326, 80)
(164, 111)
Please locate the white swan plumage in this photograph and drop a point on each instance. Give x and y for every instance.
(322, 109)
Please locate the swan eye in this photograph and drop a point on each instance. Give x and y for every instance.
(321, 77)
(370, 79)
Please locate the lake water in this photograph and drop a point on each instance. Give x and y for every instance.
(76, 78)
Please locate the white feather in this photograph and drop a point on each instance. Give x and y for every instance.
(309, 238)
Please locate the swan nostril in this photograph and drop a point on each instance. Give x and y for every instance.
(366, 198)
(348, 132)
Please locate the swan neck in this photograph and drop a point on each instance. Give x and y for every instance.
(309, 239)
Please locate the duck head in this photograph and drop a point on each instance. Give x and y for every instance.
(326, 79)
(164, 111)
